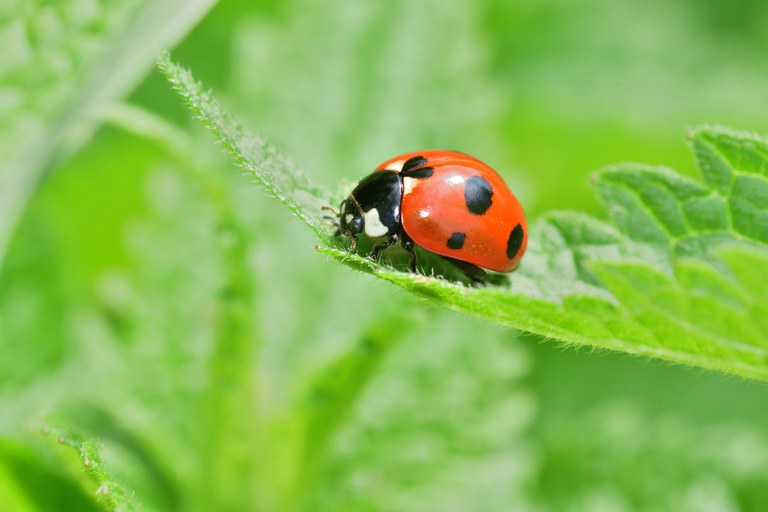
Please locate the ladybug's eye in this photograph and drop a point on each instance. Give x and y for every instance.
(356, 224)
(350, 219)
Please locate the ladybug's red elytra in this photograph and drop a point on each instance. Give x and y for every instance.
(446, 202)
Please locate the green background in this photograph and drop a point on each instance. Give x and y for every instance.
(154, 299)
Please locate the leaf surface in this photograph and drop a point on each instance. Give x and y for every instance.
(673, 275)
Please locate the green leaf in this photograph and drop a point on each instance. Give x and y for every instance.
(398, 448)
(110, 493)
(620, 455)
(63, 64)
(338, 387)
(278, 175)
(663, 279)
(39, 478)
(228, 420)
(59, 470)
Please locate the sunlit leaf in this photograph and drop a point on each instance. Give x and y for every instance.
(615, 286)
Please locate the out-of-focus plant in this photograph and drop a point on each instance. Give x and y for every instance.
(63, 65)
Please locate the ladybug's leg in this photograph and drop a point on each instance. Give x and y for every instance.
(473, 272)
(353, 245)
(333, 221)
(407, 244)
(376, 252)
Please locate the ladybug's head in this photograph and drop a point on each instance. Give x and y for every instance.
(350, 217)
(373, 207)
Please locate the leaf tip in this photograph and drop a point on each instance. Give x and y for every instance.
(163, 60)
(712, 132)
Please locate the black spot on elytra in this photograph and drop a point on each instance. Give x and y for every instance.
(413, 162)
(456, 241)
(515, 241)
(477, 194)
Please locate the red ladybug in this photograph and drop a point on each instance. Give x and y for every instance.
(447, 202)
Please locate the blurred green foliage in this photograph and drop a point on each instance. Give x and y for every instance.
(154, 301)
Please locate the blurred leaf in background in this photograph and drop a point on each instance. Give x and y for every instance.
(63, 64)
(618, 458)
(155, 300)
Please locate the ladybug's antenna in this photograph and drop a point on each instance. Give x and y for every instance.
(329, 209)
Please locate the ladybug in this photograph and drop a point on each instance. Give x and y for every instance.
(446, 202)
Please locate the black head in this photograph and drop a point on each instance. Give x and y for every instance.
(373, 207)
(351, 219)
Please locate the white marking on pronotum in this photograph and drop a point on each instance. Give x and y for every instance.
(349, 218)
(373, 225)
(396, 166)
(409, 184)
